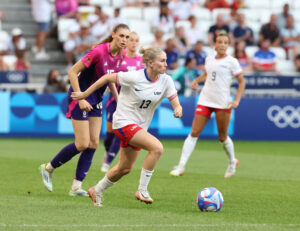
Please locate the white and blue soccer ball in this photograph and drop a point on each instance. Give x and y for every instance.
(210, 200)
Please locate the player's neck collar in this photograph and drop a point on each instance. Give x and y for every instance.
(147, 77)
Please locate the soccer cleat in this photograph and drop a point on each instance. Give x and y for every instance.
(231, 169)
(105, 167)
(96, 198)
(78, 192)
(46, 177)
(143, 196)
(177, 171)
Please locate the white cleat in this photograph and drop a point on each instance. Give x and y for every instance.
(96, 198)
(231, 169)
(78, 192)
(46, 177)
(143, 196)
(105, 167)
(177, 171)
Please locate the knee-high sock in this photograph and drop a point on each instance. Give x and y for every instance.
(145, 179)
(188, 148)
(113, 150)
(108, 139)
(103, 184)
(64, 155)
(229, 148)
(84, 163)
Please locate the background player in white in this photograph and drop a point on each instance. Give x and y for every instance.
(141, 92)
(215, 97)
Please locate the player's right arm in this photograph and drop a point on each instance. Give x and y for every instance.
(112, 78)
(200, 79)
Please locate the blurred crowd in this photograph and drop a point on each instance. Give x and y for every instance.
(176, 29)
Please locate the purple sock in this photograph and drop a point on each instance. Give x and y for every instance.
(84, 163)
(113, 150)
(108, 140)
(64, 155)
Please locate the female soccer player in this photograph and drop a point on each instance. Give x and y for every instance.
(131, 62)
(141, 92)
(215, 97)
(86, 115)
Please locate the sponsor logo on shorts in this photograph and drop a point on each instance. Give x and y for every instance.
(133, 128)
(84, 114)
(199, 109)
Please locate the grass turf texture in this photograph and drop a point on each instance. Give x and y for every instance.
(263, 195)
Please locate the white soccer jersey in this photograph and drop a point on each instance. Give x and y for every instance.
(220, 72)
(139, 97)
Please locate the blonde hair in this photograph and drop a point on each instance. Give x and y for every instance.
(149, 53)
(109, 38)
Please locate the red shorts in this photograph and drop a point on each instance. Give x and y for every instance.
(126, 133)
(206, 111)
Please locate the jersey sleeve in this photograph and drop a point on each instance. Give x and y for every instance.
(126, 78)
(236, 67)
(170, 91)
(92, 57)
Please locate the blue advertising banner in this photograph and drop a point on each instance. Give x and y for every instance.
(13, 77)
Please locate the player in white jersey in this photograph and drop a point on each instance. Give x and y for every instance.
(141, 92)
(215, 97)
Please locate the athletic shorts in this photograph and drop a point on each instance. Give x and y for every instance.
(206, 111)
(74, 111)
(126, 133)
(110, 109)
(44, 26)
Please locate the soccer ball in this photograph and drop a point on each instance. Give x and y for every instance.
(210, 200)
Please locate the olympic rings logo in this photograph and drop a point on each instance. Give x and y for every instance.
(284, 117)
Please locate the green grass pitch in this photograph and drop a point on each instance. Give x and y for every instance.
(263, 195)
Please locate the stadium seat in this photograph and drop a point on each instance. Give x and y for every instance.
(139, 26)
(285, 67)
(150, 13)
(276, 5)
(10, 61)
(4, 37)
(202, 13)
(146, 39)
(258, 4)
(204, 26)
(280, 52)
(168, 36)
(218, 11)
(108, 10)
(250, 51)
(62, 27)
(117, 3)
(131, 13)
(296, 5)
(184, 23)
(100, 2)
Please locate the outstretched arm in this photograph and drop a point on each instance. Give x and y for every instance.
(112, 78)
(176, 107)
(113, 90)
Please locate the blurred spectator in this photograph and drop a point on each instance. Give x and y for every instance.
(212, 4)
(270, 31)
(100, 27)
(1, 14)
(231, 19)
(199, 54)
(172, 54)
(193, 33)
(140, 3)
(4, 42)
(41, 10)
(243, 32)
(22, 64)
(238, 4)
(181, 9)
(181, 42)
(66, 8)
(3, 66)
(184, 75)
(17, 41)
(116, 19)
(218, 28)
(158, 42)
(297, 63)
(164, 21)
(241, 56)
(55, 82)
(290, 35)
(281, 17)
(264, 60)
(84, 41)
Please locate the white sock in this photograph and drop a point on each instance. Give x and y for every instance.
(49, 167)
(145, 179)
(188, 148)
(229, 149)
(76, 185)
(103, 184)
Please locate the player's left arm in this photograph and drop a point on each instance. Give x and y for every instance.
(239, 93)
(176, 107)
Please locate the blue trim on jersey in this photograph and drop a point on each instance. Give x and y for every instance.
(145, 71)
(122, 133)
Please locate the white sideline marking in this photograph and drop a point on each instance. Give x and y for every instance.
(144, 225)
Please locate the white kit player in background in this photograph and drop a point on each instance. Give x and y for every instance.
(141, 92)
(215, 97)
